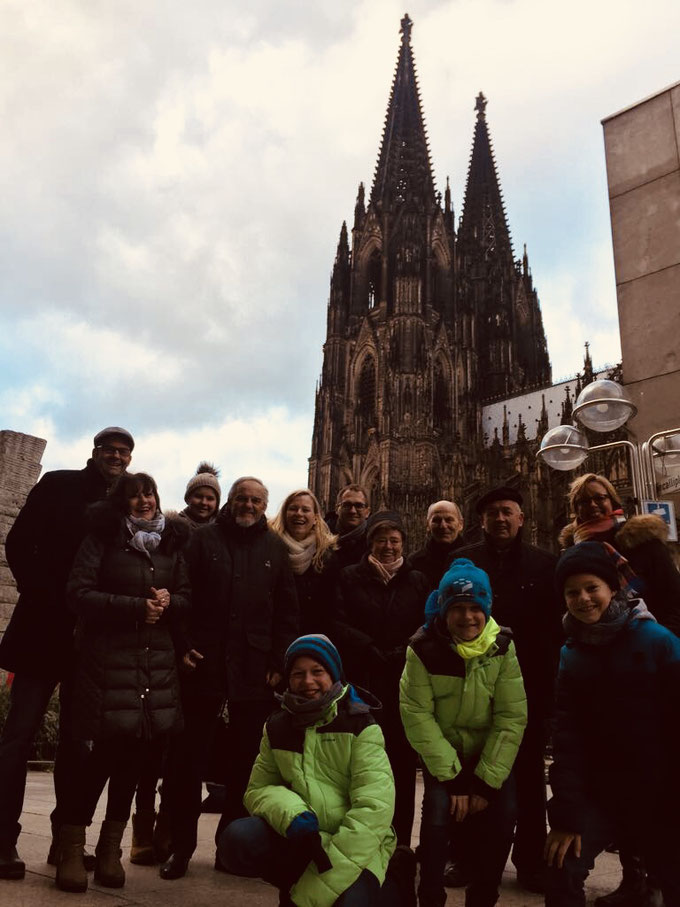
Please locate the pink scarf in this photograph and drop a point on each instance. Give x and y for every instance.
(385, 572)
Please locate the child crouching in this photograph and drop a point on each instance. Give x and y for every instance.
(614, 775)
(464, 711)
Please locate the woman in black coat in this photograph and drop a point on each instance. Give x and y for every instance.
(311, 546)
(380, 603)
(128, 588)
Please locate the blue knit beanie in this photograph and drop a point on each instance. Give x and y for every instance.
(321, 649)
(462, 582)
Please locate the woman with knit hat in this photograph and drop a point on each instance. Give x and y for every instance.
(310, 546)
(464, 711)
(202, 496)
(321, 793)
(614, 774)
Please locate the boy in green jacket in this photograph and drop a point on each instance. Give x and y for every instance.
(321, 792)
(464, 711)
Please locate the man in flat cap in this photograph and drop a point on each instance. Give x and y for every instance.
(38, 643)
(524, 599)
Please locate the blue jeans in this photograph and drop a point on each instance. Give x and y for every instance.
(250, 847)
(482, 842)
(658, 841)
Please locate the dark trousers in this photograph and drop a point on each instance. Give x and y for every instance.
(529, 772)
(246, 722)
(29, 697)
(403, 760)
(185, 765)
(250, 847)
(482, 841)
(657, 839)
(120, 760)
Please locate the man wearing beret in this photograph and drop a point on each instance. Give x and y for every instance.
(38, 643)
(525, 600)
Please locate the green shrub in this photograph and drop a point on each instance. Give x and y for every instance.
(45, 743)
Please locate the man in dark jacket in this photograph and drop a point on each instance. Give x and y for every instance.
(244, 616)
(444, 528)
(38, 643)
(352, 511)
(524, 599)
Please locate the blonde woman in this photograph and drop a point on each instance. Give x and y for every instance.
(311, 546)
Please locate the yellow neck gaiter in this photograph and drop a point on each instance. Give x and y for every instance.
(480, 644)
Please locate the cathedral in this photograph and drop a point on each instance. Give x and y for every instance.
(436, 380)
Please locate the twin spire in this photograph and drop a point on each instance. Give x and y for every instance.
(403, 173)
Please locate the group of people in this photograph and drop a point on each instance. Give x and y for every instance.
(359, 662)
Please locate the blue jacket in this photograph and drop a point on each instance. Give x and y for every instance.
(616, 726)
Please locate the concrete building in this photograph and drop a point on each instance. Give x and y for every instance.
(642, 147)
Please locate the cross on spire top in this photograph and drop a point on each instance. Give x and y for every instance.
(480, 105)
(405, 30)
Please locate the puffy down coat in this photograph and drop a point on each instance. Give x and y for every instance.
(466, 718)
(337, 768)
(126, 676)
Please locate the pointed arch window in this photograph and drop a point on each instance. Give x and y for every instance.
(374, 278)
(441, 398)
(366, 392)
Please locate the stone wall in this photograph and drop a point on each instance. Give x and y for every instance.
(20, 467)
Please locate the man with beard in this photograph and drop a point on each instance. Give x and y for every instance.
(244, 615)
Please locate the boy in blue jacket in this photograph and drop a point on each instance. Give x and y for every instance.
(614, 775)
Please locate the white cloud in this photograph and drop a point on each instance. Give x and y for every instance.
(174, 179)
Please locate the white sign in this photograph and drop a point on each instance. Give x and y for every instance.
(666, 510)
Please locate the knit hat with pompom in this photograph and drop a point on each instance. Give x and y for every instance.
(206, 476)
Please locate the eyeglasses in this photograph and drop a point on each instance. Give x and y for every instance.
(110, 450)
(351, 505)
(594, 498)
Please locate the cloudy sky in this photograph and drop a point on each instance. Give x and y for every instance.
(175, 175)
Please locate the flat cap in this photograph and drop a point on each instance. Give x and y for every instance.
(114, 431)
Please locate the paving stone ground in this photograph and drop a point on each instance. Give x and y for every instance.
(202, 886)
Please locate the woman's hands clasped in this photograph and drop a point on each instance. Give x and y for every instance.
(155, 606)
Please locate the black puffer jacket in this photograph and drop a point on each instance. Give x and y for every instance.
(245, 610)
(373, 623)
(40, 549)
(126, 680)
(525, 599)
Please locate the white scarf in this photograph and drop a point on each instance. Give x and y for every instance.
(300, 553)
(146, 534)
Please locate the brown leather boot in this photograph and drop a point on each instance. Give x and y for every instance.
(108, 870)
(142, 849)
(71, 874)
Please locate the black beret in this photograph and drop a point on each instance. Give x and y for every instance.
(504, 493)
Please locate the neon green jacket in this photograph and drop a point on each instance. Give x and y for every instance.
(465, 717)
(338, 769)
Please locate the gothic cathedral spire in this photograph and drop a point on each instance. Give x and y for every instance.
(421, 328)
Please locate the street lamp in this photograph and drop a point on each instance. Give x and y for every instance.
(604, 406)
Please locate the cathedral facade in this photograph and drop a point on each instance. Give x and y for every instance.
(428, 326)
